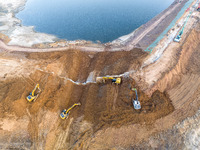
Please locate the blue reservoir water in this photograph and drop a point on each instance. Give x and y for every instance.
(103, 20)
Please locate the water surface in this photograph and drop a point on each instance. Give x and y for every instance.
(103, 20)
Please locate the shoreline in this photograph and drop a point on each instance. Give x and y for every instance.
(26, 36)
(167, 80)
(13, 28)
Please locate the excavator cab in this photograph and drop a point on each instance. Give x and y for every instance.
(65, 113)
(178, 38)
(136, 102)
(33, 96)
(117, 81)
(114, 80)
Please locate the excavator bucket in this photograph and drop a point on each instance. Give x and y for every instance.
(100, 80)
(78, 103)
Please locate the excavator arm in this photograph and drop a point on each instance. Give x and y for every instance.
(64, 114)
(33, 92)
(134, 89)
(108, 78)
(32, 96)
(72, 107)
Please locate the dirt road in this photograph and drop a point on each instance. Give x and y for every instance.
(151, 27)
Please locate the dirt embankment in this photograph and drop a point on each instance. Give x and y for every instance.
(181, 82)
(102, 105)
(104, 108)
(68, 77)
(187, 61)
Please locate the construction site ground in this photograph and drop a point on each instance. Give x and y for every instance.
(168, 90)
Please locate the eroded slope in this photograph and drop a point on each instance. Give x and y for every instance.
(63, 79)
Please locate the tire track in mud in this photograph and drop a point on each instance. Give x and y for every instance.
(115, 96)
(62, 138)
(184, 91)
(33, 127)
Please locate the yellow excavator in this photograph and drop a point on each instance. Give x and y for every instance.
(33, 96)
(116, 80)
(64, 114)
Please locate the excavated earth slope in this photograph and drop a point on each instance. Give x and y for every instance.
(106, 119)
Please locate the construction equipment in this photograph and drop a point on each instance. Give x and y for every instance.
(33, 96)
(116, 80)
(178, 37)
(136, 102)
(64, 114)
(198, 8)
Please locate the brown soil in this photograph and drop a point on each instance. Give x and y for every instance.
(103, 105)
(106, 118)
(158, 105)
(4, 38)
(181, 82)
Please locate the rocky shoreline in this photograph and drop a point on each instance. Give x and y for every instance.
(167, 80)
(13, 28)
